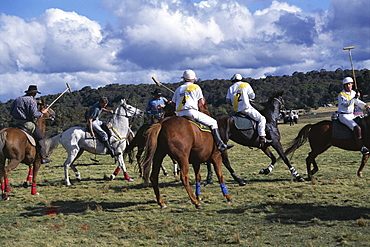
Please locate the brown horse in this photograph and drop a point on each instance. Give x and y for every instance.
(140, 139)
(320, 138)
(16, 147)
(184, 142)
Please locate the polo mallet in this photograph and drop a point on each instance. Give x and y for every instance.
(350, 59)
(160, 84)
(68, 89)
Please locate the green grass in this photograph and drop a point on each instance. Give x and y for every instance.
(271, 210)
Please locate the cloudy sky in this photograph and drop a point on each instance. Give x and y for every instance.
(99, 42)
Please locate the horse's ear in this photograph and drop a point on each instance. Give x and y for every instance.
(123, 101)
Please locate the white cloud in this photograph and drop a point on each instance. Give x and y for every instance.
(163, 37)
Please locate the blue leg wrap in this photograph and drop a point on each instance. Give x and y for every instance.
(224, 189)
(197, 189)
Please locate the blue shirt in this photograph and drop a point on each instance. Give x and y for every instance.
(25, 108)
(155, 106)
(94, 111)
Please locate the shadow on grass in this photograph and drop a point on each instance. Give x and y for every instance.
(80, 207)
(302, 213)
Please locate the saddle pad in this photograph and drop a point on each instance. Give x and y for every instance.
(242, 123)
(30, 138)
(201, 126)
(341, 131)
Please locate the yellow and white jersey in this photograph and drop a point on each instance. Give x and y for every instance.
(347, 102)
(187, 96)
(239, 94)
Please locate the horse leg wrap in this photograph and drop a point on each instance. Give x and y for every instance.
(116, 171)
(294, 172)
(33, 189)
(3, 188)
(224, 189)
(197, 189)
(30, 175)
(126, 175)
(7, 185)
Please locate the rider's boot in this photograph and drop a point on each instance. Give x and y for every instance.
(44, 158)
(359, 141)
(264, 141)
(218, 141)
(109, 147)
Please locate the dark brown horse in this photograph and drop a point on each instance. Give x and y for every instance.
(250, 138)
(184, 142)
(16, 147)
(321, 138)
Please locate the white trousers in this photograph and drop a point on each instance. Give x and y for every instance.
(347, 119)
(200, 117)
(256, 116)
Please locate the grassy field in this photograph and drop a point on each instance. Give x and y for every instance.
(271, 210)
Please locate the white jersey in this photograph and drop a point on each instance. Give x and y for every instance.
(186, 96)
(239, 94)
(347, 102)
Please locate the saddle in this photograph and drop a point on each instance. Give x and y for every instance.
(29, 135)
(201, 126)
(243, 122)
(104, 127)
(341, 131)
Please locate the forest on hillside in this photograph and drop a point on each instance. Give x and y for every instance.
(301, 91)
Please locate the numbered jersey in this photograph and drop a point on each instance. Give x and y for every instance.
(186, 96)
(239, 94)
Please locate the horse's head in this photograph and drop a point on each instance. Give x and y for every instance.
(279, 98)
(128, 110)
(42, 105)
(169, 109)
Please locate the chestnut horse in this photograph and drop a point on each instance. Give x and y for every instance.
(16, 147)
(320, 138)
(184, 142)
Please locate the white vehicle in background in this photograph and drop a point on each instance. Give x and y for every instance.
(291, 114)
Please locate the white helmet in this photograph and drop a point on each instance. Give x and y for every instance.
(347, 80)
(237, 77)
(189, 75)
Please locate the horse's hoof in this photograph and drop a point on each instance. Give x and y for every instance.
(242, 183)
(198, 206)
(163, 206)
(264, 171)
(112, 177)
(300, 179)
(25, 185)
(165, 174)
(129, 179)
(5, 197)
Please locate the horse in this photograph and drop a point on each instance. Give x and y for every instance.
(75, 140)
(250, 138)
(140, 139)
(19, 147)
(320, 137)
(184, 142)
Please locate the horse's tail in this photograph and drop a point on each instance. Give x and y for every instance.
(150, 149)
(129, 150)
(299, 140)
(52, 143)
(3, 138)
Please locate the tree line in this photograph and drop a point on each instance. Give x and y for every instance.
(301, 91)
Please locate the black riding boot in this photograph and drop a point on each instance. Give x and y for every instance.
(359, 141)
(219, 143)
(109, 147)
(44, 158)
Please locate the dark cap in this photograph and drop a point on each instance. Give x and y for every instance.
(157, 92)
(32, 89)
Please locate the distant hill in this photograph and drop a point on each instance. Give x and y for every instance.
(301, 91)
